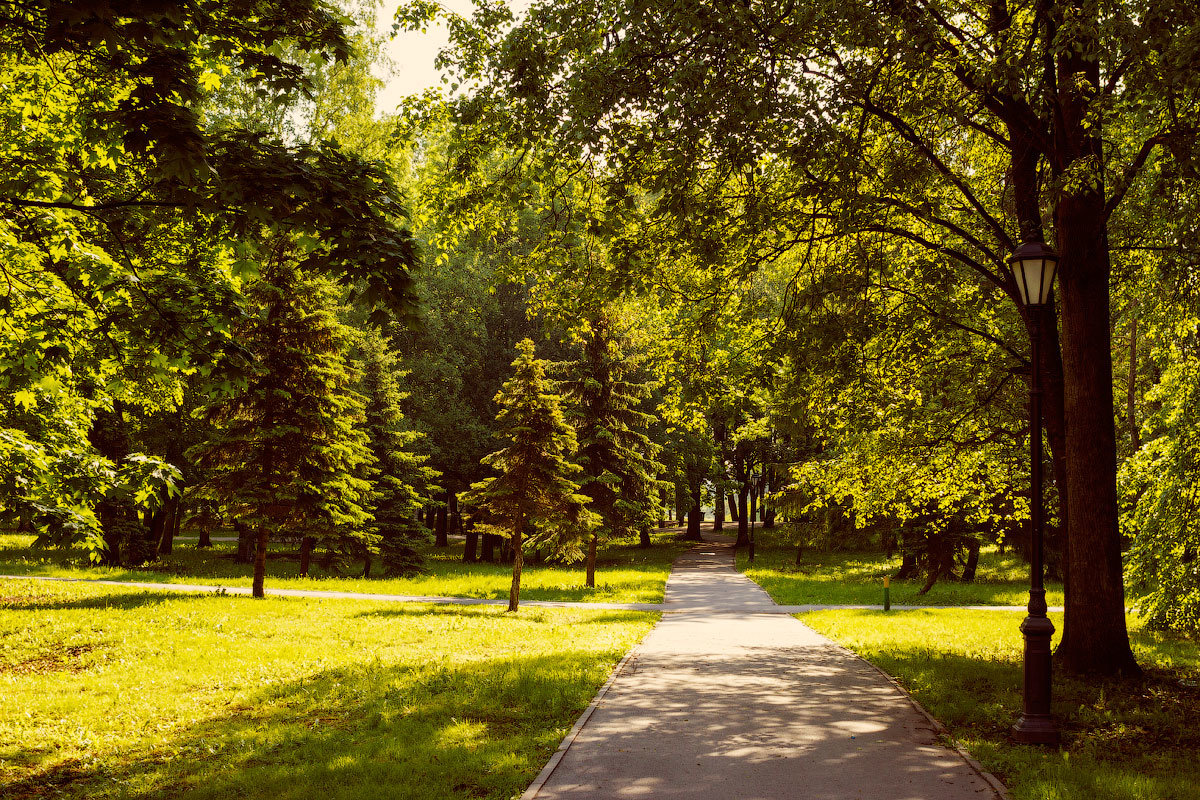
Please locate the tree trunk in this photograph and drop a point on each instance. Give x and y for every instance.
(306, 548)
(170, 526)
(733, 509)
(205, 538)
(514, 594)
(1094, 638)
(743, 518)
(644, 537)
(590, 581)
(471, 549)
(695, 514)
(489, 548)
(245, 544)
(908, 567)
(968, 575)
(718, 512)
(260, 562)
(367, 561)
(439, 529)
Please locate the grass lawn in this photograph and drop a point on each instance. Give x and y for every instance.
(856, 578)
(113, 692)
(1123, 740)
(625, 573)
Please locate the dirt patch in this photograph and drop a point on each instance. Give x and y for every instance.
(68, 658)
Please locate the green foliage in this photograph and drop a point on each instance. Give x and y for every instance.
(620, 473)
(1160, 484)
(535, 485)
(287, 449)
(402, 482)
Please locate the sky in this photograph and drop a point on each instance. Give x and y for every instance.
(413, 53)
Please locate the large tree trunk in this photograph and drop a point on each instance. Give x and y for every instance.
(733, 509)
(260, 562)
(590, 581)
(514, 594)
(205, 538)
(489, 548)
(644, 537)
(1094, 637)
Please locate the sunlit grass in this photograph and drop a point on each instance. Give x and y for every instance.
(1123, 740)
(856, 578)
(116, 692)
(625, 573)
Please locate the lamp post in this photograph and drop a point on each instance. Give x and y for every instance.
(1033, 266)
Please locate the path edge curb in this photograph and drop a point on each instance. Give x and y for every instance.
(569, 739)
(999, 788)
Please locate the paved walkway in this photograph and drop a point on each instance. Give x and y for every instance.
(728, 699)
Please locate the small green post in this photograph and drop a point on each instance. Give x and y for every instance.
(887, 593)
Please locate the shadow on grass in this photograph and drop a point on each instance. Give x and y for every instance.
(409, 611)
(366, 731)
(116, 600)
(1125, 739)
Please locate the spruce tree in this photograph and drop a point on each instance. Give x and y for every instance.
(402, 481)
(617, 457)
(287, 452)
(535, 486)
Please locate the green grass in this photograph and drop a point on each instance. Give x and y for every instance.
(856, 578)
(113, 692)
(1123, 740)
(625, 573)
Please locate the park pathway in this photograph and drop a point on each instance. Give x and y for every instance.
(728, 699)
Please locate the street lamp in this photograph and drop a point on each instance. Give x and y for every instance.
(1033, 265)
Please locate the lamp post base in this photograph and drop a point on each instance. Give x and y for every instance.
(1036, 725)
(1036, 729)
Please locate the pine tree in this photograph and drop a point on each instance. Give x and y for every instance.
(618, 458)
(402, 481)
(287, 452)
(535, 487)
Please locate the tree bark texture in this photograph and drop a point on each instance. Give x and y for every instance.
(718, 513)
(1094, 635)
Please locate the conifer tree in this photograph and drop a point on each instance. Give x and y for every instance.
(287, 452)
(535, 486)
(402, 481)
(617, 457)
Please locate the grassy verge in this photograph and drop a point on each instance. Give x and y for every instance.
(625, 573)
(114, 692)
(1123, 740)
(856, 578)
